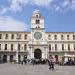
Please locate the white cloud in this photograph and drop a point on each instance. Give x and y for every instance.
(57, 8)
(57, 5)
(17, 5)
(52, 4)
(41, 2)
(9, 24)
(73, 4)
(3, 10)
(66, 4)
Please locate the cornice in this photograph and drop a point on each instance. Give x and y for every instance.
(61, 32)
(14, 32)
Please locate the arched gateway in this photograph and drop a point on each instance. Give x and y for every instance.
(37, 54)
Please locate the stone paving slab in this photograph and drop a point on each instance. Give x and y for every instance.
(18, 69)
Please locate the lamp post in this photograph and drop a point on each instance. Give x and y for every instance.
(17, 51)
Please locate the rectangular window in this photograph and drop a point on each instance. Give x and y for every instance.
(6, 36)
(69, 47)
(67, 37)
(55, 46)
(62, 46)
(55, 37)
(25, 47)
(12, 36)
(49, 46)
(5, 46)
(73, 37)
(25, 36)
(0, 46)
(49, 37)
(11, 46)
(19, 46)
(0, 36)
(74, 46)
(62, 37)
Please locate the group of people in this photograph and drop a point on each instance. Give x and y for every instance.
(33, 61)
(51, 62)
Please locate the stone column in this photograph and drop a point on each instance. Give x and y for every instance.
(46, 52)
(32, 53)
(1, 57)
(22, 57)
(8, 58)
(43, 54)
(16, 57)
(29, 55)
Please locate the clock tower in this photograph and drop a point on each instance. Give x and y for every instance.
(38, 43)
(37, 27)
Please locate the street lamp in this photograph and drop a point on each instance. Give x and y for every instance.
(17, 51)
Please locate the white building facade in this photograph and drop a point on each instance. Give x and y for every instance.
(37, 43)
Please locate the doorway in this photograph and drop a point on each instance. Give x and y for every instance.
(37, 54)
(5, 58)
(11, 58)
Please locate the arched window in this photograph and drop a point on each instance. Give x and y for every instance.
(49, 37)
(62, 46)
(11, 46)
(0, 46)
(6, 36)
(49, 46)
(68, 47)
(67, 37)
(37, 21)
(0, 36)
(73, 37)
(55, 37)
(25, 47)
(19, 46)
(37, 16)
(62, 37)
(74, 46)
(5, 46)
(25, 36)
(55, 46)
(12, 36)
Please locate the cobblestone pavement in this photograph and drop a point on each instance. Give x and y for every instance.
(18, 69)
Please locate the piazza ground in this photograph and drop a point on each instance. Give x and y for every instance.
(18, 69)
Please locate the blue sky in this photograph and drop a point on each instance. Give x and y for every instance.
(59, 14)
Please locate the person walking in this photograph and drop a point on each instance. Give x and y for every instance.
(51, 62)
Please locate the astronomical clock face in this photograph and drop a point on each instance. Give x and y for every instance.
(37, 35)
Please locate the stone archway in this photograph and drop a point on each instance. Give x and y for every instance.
(11, 58)
(37, 54)
(4, 58)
